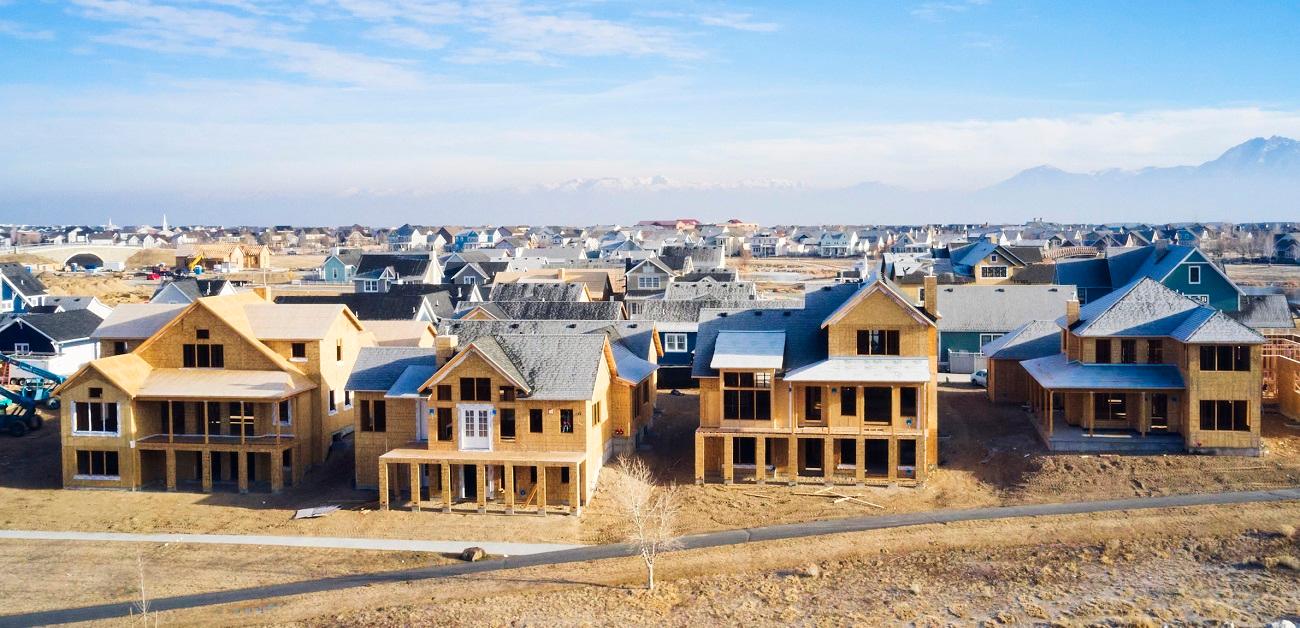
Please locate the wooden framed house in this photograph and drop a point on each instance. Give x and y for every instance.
(521, 417)
(842, 390)
(231, 391)
(1146, 369)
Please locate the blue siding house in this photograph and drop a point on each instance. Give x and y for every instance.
(1183, 269)
(19, 290)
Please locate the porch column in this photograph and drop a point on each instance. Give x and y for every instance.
(171, 469)
(1144, 414)
(383, 485)
(893, 460)
(1091, 412)
(277, 472)
(728, 469)
(699, 457)
(206, 460)
(241, 464)
(510, 489)
(541, 490)
(446, 486)
(792, 459)
(575, 487)
(828, 459)
(415, 486)
(860, 454)
(480, 478)
(1051, 420)
(204, 418)
(760, 459)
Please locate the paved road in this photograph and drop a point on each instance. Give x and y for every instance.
(597, 552)
(444, 547)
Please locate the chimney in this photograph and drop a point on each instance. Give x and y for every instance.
(931, 297)
(1071, 312)
(445, 346)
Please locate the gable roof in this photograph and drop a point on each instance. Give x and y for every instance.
(710, 289)
(872, 286)
(557, 368)
(1147, 307)
(404, 264)
(637, 336)
(377, 369)
(59, 326)
(1034, 339)
(297, 321)
(999, 308)
(132, 321)
(551, 310)
(21, 279)
(538, 291)
(1264, 311)
(366, 305)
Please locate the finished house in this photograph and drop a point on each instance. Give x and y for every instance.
(521, 416)
(1146, 369)
(842, 390)
(230, 391)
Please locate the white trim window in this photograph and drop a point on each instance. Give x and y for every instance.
(22, 348)
(675, 343)
(370, 285)
(648, 282)
(1203, 299)
(993, 271)
(987, 338)
(1194, 275)
(95, 418)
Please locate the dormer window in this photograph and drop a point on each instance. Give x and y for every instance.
(1193, 274)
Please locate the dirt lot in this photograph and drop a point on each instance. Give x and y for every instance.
(1203, 566)
(989, 455)
(111, 288)
(1284, 275)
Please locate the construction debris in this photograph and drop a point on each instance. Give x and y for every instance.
(312, 513)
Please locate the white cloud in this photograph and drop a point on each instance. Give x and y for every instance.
(738, 21)
(18, 31)
(189, 30)
(407, 36)
(939, 10)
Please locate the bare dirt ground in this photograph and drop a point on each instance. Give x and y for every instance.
(111, 288)
(1210, 565)
(1284, 275)
(989, 456)
(764, 273)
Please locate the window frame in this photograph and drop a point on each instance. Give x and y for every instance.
(672, 340)
(90, 465)
(566, 419)
(1194, 274)
(643, 282)
(103, 405)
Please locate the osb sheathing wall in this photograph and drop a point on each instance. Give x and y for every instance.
(594, 441)
(1223, 386)
(1008, 382)
(1288, 387)
(400, 419)
(875, 312)
(80, 391)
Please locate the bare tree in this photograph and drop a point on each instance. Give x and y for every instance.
(652, 512)
(142, 606)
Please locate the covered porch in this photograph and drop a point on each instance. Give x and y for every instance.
(1106, 408)
(485, 481)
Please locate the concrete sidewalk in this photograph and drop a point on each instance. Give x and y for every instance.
(328, 542)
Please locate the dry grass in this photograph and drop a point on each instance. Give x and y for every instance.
(111, 288)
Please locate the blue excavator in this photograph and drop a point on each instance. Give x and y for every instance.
(19, 407)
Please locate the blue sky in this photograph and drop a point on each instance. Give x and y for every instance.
(136, 106)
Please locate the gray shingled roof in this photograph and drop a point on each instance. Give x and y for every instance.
(1264, 311)
(378, 368)
(805, 340)
(726, 291)
(1148, 308)
(557, 310)
(555, 367)
(61, 326)
(999, 308)
(1034, 339)
(689, 311)
(537, 291)
(637, 336)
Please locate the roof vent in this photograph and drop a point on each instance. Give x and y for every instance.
(722, 314)
(514, 325)
(1000, 290)
(785, 313)
(1051, 289)
(758, 312)
(572, 325)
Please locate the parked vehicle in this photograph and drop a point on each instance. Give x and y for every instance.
(980, 378)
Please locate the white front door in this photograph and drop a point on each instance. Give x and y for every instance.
(476, 427)
(423, 414)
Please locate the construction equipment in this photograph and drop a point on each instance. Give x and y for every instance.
(195, 263)
(20, 414)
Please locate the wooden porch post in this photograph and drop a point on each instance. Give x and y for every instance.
(541, 490)
(510, 488)
(480, 478)
(575, 486)
(1051, 419)
(241, 463)
(728, 462)
(206, 458)
(1144, 414)
(415, 486)
(859, 473)
(1091, 412)
(828, 459)
(760, 459)
(699, 458)
(204, 405)
(792, 459)
(383, 485)
(277, 471)
(171, 469)
(446, 485)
